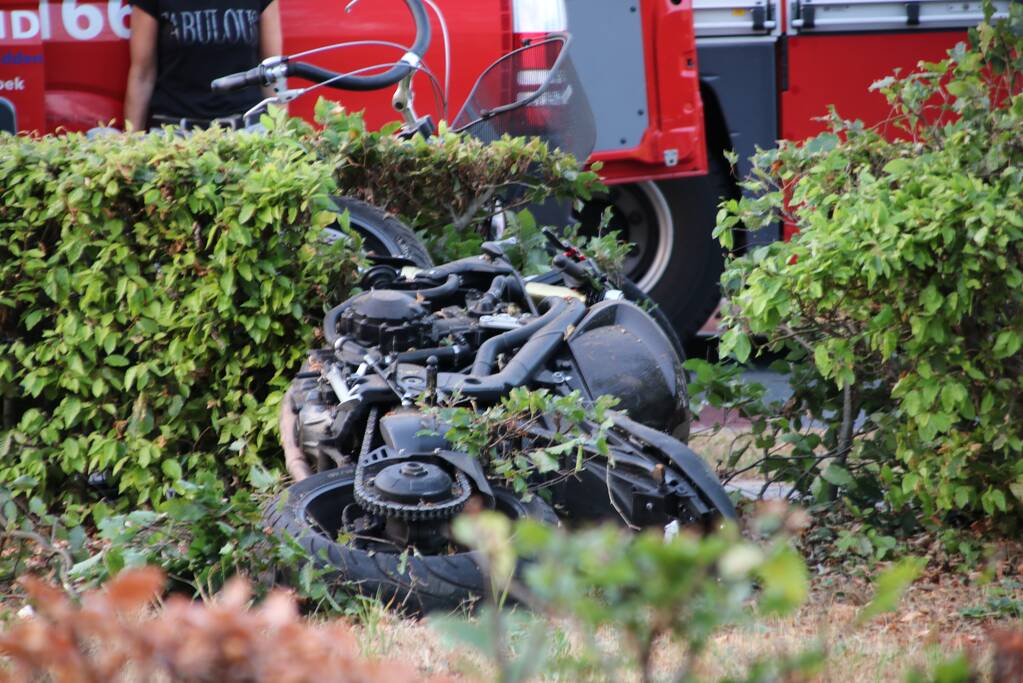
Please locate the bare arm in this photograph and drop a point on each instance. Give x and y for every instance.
(142, 73)
(270, 41)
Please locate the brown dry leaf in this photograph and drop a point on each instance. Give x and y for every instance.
(184, 641)
(133, 590)
(910, 616)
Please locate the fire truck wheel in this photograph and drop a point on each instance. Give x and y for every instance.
(674, 257)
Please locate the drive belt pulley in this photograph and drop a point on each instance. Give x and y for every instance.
(413, 488)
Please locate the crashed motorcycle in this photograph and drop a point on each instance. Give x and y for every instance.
(378, 482)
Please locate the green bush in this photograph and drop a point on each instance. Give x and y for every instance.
(621, 595)
(154, 290)
(446, 187)
(904, 287)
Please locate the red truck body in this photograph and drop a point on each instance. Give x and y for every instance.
(72, 60)
(814, 60)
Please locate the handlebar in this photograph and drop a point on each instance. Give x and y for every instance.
(254, 76)
(574, 269)
(266, 73)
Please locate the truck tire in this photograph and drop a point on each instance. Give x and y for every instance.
(309, 513)
(381, 234)
(675, 260)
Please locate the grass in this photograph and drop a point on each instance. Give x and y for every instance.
(946, 612)
(932, 623)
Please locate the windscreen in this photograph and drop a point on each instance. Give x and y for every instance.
(532, 91)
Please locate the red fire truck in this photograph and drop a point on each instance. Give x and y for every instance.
(673, 83)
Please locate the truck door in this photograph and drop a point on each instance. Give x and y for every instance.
(637, 61)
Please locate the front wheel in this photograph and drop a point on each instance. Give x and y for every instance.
(311, 513)
(382, 235)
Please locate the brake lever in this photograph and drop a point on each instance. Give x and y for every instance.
(280, 98)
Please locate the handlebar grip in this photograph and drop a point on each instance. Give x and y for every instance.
(254, 76)
(569, 267)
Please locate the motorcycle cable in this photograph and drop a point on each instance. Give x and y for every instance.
(440, 94)
(294, 93)
(446, 39)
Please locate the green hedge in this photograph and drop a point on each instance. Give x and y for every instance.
(904, 287)
(156, 292)
(445, 187)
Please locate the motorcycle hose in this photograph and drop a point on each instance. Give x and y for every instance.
(330, 321)
(449, 287)
(535, 353)
(489, 350)
(529, 359)
(443, 353)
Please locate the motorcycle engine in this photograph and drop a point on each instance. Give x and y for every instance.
(388, 319)
(384, 338)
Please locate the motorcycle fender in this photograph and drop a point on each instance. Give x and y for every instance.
(689, 464)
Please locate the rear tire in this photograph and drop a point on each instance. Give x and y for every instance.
(309, 512)
(382, 235)
(675, 260)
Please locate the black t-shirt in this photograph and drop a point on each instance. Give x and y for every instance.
(200, 40)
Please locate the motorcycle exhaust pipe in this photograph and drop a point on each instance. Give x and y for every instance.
(294, 459)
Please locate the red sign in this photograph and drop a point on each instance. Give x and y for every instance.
(22, 74)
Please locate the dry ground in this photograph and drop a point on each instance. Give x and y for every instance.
(928, 626)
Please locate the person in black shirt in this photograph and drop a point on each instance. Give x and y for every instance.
(179, 46)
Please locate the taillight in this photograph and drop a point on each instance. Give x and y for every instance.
(538, 17)
(533, 22)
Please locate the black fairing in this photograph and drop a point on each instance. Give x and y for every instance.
(620, 351)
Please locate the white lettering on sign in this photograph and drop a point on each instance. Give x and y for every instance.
(44, 17)
(82, 22)
(117, 15)
(13, 84)
(24, 24)
(80, 19)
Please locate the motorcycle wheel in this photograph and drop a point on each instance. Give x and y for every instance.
(309, 512)
(382, 235)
